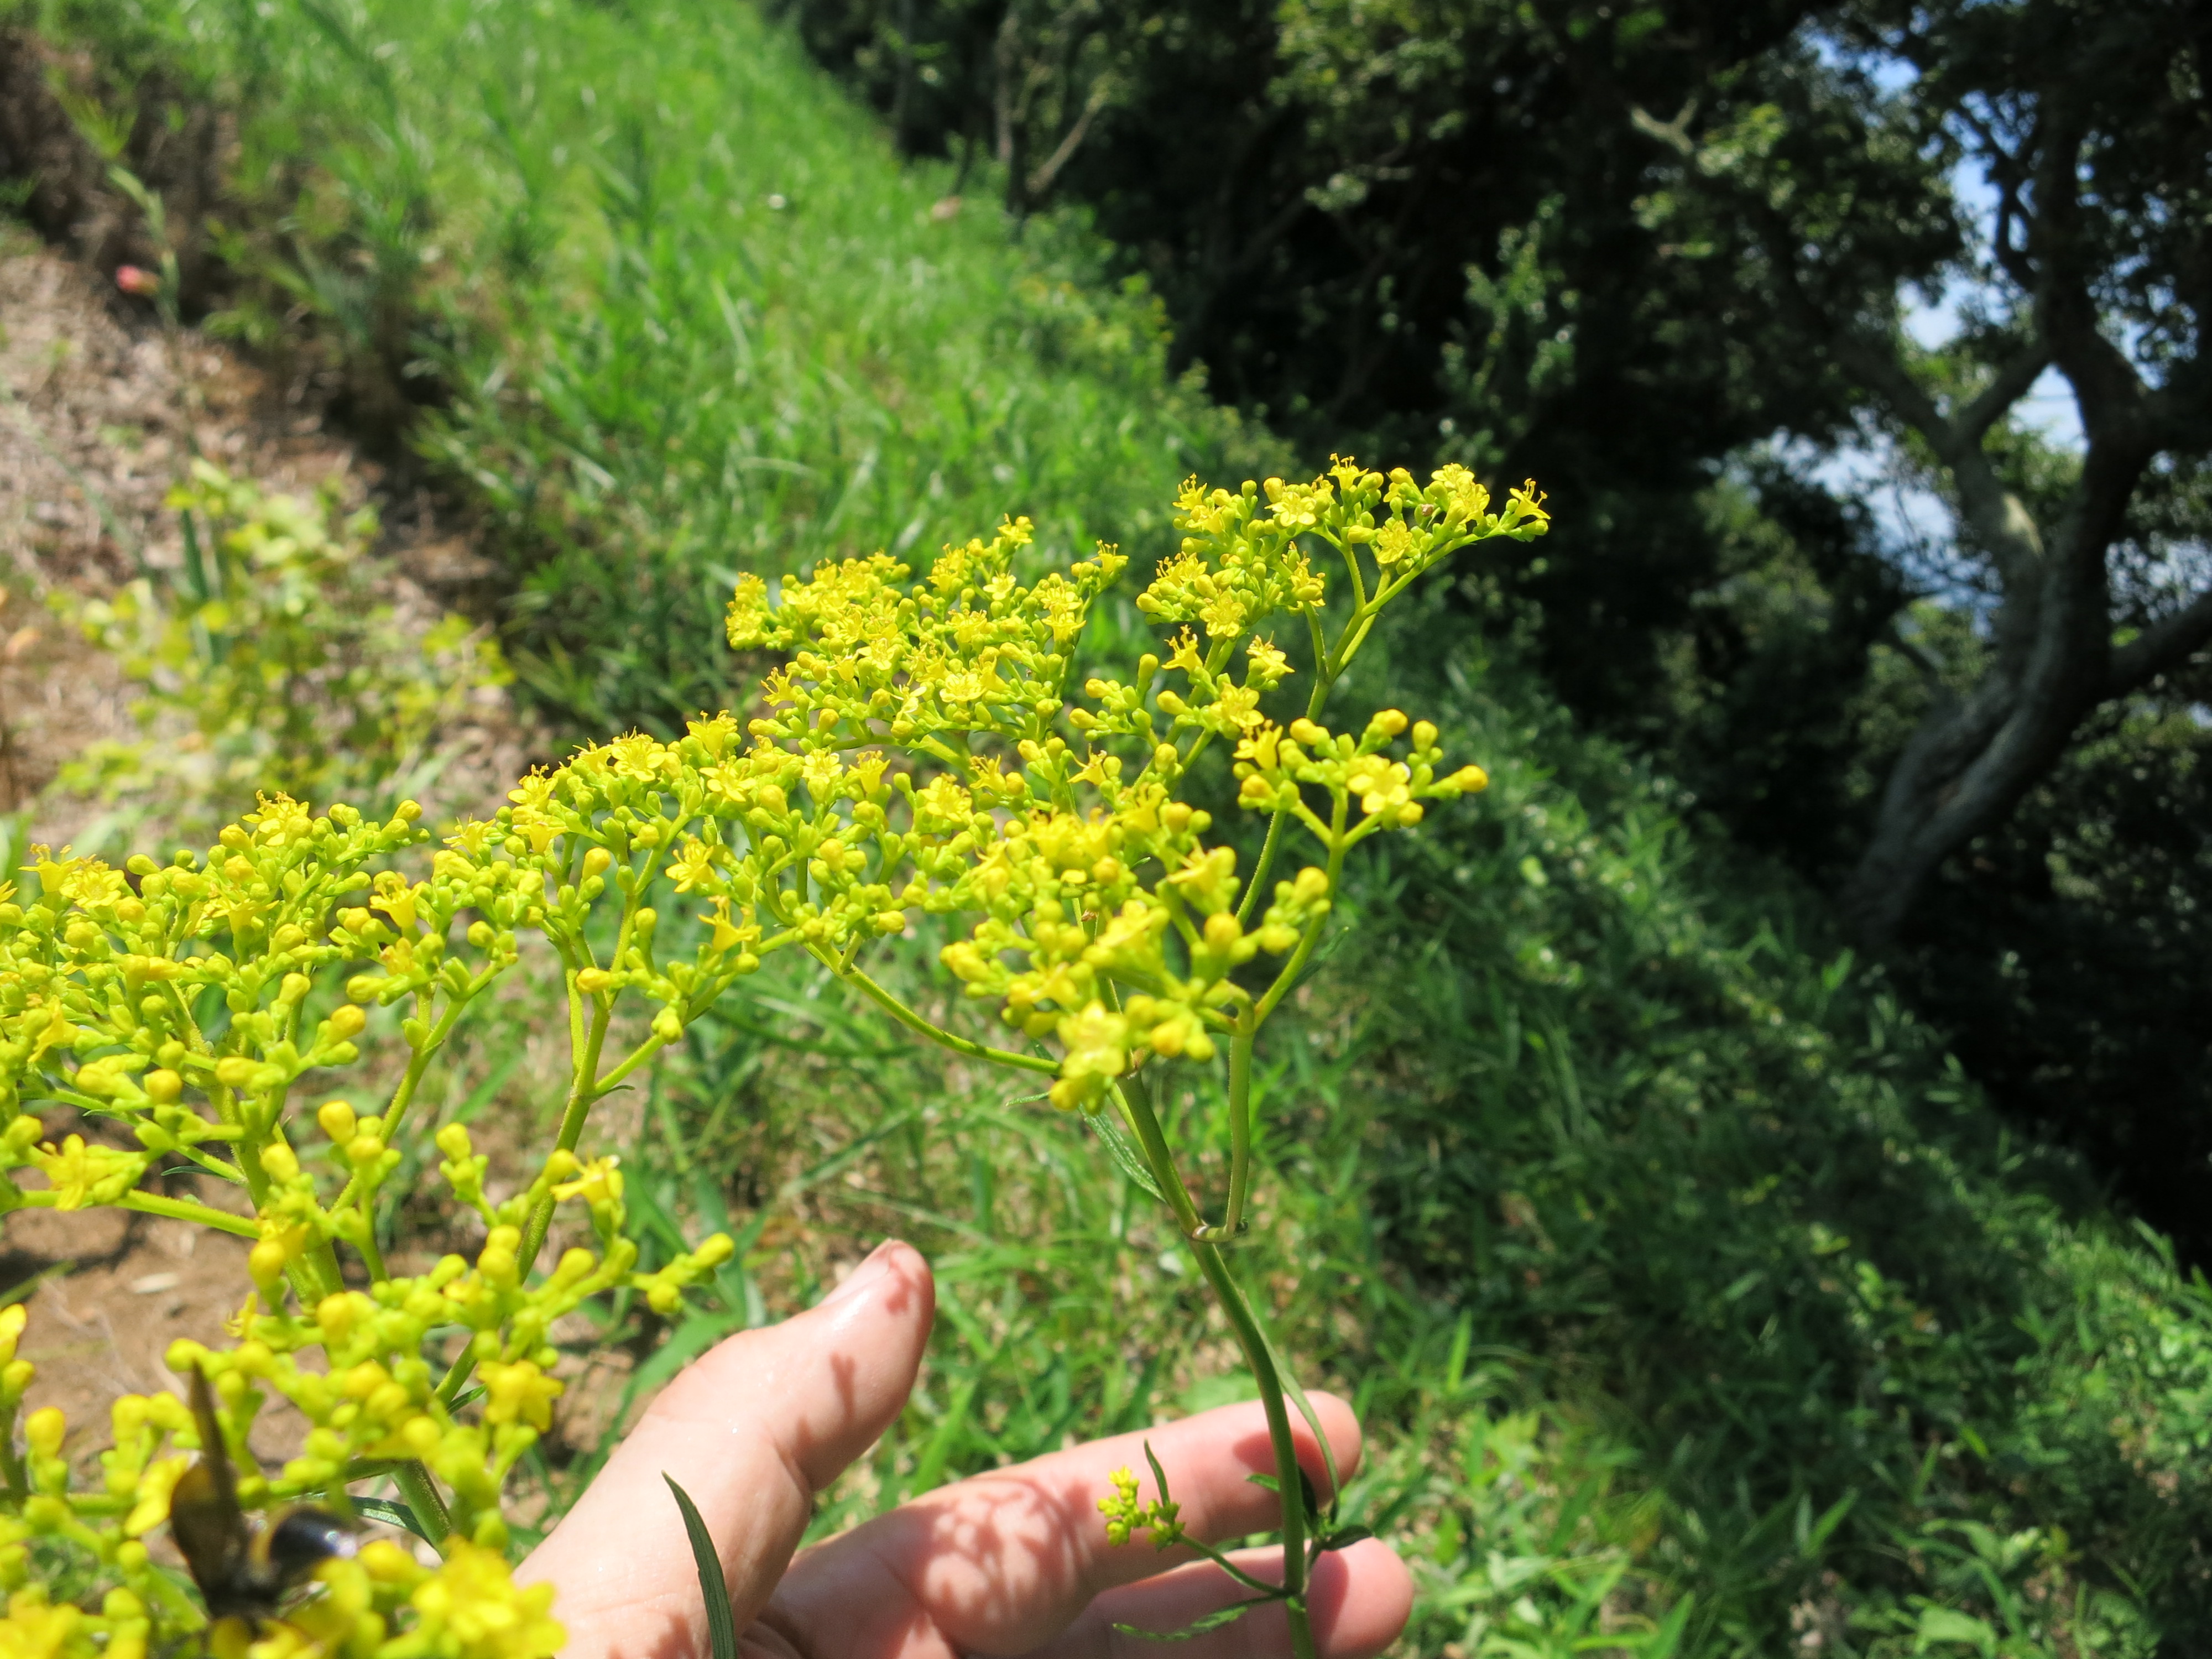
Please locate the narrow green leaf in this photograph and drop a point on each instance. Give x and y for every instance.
(1107, 1122)
(1212, 1621)
(392, 1514)
(1159, 1474)
(1345, 1537)
(1830, 1520)
(1290, 1382)
(1668, 1636)
(721, 1629)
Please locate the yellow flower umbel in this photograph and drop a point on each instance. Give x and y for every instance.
(923, 758)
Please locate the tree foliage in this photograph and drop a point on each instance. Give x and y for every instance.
(1676, 258)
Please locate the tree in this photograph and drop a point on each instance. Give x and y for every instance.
(2088, 575)
(1023, 81)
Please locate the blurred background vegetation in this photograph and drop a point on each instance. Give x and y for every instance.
(1764, 1213)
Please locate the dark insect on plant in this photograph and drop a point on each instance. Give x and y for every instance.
(243, 1571)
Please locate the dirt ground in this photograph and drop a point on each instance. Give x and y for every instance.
(99, 412)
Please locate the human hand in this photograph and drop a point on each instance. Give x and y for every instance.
(1012, 1562)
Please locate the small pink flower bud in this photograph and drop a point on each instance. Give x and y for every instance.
(136, 279)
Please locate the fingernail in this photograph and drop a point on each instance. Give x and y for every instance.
(872, 1268)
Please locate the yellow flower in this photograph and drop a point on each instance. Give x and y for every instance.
(1097, 1049)
(943, 803)
(599, 1182)
(1269, 666)
(472, 1603)
(693, 866)
(154, 1490)
(518, 1393)
(80, 1174)
(33, 1630)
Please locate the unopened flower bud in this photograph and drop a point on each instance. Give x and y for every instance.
(266, 1262)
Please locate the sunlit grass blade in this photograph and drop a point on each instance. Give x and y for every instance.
(721, 1629)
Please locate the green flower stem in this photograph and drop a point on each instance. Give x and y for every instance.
(1325, 677)
(421, 1495)
(582, 1091)
(857, 978)
(1240, 1121)
(403, 1095)
(1303, 954)
(1258, 884)
(11, 1464)
(177, 1209)
(214, 1166)
(1137, 1097)
(1290, 1486)
(1348, 646)
(457, 1377)
(637, 1057)
(1289, 1489)
(371, 1256)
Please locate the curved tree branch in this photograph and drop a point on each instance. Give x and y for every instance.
(2160, 648)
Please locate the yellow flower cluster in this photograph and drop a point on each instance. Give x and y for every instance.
(271, 657)
(919, 754)
(1126, 1516)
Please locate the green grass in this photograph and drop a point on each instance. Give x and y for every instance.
(1694, 1300)
(679, 313)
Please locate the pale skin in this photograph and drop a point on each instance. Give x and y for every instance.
(1010, 1563)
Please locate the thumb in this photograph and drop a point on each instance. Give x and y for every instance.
(751, 1431)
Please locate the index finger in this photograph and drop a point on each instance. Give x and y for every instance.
(1001, 1561)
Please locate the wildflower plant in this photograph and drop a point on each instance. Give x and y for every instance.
(271, 657)
(922, 753)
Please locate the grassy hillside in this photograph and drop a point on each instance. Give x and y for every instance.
(1696, 1302)
(672, 309)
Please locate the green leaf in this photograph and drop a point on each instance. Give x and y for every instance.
(1949, 1624)
(721, 1629)
(1116, 1134)
(1343, 1539)
(1212, 1621)
(1668, 1636)
(392, 1514)
(1809, 1545)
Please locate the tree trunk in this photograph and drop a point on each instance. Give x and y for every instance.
(1974, 757)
